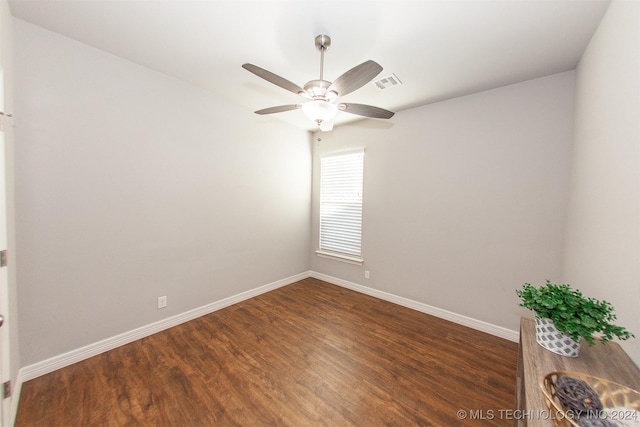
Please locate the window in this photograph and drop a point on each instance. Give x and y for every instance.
(341, 183)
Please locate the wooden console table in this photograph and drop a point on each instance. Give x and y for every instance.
(608, 361)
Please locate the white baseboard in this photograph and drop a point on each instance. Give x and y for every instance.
(479, 325)
(49, 365)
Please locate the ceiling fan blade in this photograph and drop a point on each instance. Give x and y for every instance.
(278, 109)
(355, 78)
(366, 110)
(275, 79)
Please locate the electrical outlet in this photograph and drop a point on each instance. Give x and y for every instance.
(162, 302)
(366, 274)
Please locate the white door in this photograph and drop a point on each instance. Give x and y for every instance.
(5, 412)
(5, 137)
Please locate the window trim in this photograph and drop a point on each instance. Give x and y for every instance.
(340, 257)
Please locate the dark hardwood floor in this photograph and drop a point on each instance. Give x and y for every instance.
(308, 354)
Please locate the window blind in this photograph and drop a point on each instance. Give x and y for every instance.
(341, 184)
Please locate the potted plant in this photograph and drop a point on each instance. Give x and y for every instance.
(564, 316)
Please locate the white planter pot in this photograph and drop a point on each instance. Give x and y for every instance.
(555, 341)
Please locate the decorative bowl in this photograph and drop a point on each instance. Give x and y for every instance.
(621, 404)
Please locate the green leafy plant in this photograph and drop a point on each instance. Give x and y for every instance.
(572, 313)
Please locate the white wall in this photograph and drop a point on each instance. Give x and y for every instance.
(602, 253)
(131, 185)
(464, 200)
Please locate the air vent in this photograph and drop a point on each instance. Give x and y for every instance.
(387, 82)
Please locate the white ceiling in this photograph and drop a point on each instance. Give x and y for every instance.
(439, 49)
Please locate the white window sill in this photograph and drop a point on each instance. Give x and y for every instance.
(340, 257)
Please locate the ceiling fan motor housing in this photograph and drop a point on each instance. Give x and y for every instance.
(317, 89)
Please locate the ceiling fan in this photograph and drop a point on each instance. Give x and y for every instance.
(322, 105)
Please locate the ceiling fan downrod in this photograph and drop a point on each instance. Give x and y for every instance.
(323, 43)
(318, 88)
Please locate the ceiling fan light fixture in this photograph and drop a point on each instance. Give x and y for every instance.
(319, 110)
